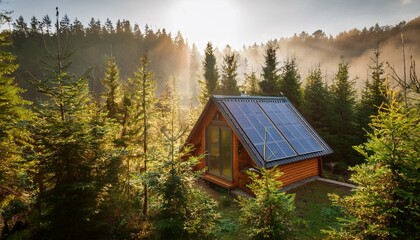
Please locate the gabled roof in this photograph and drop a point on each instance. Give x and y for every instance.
(270, 128)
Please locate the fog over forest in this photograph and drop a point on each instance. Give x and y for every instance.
(174, 58)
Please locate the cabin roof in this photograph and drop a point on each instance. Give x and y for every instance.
(270, 128)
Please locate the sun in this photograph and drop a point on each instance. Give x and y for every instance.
(203, 21)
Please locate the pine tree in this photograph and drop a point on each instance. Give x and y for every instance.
(251, 85)
(112, 92)
(228, 85)
(385, 203)
(373, 92)
(210, 83)
(270, 80)
(14, 138)
(182, 210)
(138, 114)
(73, 151)
(290, 84)
(316, 101)
(271, 214)
(343, 114)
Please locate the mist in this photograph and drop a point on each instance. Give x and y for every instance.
(311, 50)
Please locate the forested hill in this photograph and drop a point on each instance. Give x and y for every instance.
(173, 58)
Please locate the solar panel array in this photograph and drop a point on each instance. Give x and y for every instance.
(277, 125)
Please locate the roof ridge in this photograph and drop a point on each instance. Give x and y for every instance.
(247, 97)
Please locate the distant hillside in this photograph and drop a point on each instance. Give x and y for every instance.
(355, 46)
(173, 58)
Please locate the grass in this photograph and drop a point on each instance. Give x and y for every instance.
(312, 205)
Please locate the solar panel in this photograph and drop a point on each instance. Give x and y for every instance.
(255, 123)
(293, 128)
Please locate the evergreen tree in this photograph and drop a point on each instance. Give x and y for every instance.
(342, 125)
(73, 152)
(290, 84)
(77, 28)
(316, 101)
(270, 80)
(229, 81)
(211, 75)
(182, 210)
(34, 30)
(251, 86)
(138, 113)
(46, 22)
(14, 139)
(20, 26)
(271, 214)
(65, 24)
(112, 92)
(385, 203)
(373, 92)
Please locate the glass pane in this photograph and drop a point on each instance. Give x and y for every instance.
(294, 129)
(213, 150)
(226, 152)
(254, 122)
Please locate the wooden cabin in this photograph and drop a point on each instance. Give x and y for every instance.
(239, 133)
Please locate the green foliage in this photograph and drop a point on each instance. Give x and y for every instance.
(385, 205)
(225, 201)
(373, 94)
(271, 214)
(342, 116)
(270, 81)
(15, 138)
(210, 84)
(138, 118)
(202, 218)
(112, 94)
(316, 101)
(182, 210)
(74, 153)
(290, 84)
(228, 84)
(251, 85)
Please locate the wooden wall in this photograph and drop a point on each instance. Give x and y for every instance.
(297, 171)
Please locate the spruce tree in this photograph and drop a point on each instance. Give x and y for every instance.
(251, 85)
(316, 101)
(209, 85)
(138, 114)
(385, 203)
(73, 151)
(182, 210)
(14, 139)
(290, 84)
(229, 82)
(271, 214)
(270, 80)
(342, 126)
(373, 93)
(112, 94)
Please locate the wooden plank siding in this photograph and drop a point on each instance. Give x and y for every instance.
(297, 171)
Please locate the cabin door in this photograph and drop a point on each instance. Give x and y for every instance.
(219, 149)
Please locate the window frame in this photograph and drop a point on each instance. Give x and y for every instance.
(219, 125)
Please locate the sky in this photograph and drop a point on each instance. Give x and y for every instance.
(233, 22)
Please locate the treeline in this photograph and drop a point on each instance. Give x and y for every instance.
(171, 57)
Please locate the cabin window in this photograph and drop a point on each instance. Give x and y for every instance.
(219, 148)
